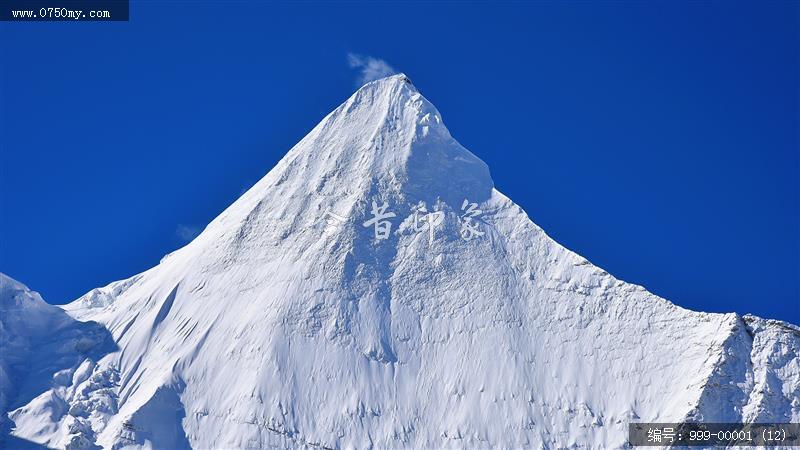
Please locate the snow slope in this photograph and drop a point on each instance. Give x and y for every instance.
(44, 358)
(280, 326)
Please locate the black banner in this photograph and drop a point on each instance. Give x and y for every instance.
(714, 434)
(64, 10)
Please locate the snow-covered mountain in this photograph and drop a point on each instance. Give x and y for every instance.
(375, 291)
(47, 364)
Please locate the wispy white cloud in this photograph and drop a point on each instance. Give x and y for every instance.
(369, 68)
(187, 232)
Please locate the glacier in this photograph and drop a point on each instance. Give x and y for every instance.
(288, 323)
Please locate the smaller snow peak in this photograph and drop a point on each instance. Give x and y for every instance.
(12, 293)
(6, 282)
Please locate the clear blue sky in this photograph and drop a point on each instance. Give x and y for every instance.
(660, 141)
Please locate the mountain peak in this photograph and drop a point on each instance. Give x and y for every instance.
(395, 92)
(396, 79)
(292, 322)
(386, 142)
(399, 81)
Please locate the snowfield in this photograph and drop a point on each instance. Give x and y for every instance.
(288, 323)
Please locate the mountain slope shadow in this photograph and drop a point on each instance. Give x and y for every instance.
(159, 421)
(12, 442)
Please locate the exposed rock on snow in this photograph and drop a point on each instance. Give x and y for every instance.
(288, 323)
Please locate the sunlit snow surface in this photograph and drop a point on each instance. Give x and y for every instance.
(277, 327)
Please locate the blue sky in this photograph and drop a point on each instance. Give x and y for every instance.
(657, 139)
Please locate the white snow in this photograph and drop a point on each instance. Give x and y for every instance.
(49, 383)
(269, 331)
